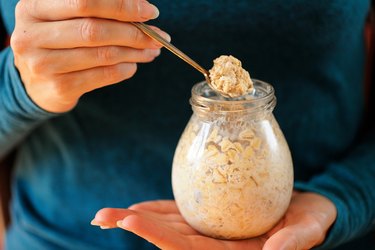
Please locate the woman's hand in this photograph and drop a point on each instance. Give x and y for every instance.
(64, 49)
(304, 225)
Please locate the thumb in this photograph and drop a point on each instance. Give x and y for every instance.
(297, 237)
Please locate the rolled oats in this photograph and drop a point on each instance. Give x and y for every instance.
(228, 76)
(232, 175)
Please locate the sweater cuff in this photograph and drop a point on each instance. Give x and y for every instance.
(18, 113)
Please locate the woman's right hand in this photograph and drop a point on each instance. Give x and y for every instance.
(64, 49)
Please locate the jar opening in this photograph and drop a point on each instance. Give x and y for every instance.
(206, 99)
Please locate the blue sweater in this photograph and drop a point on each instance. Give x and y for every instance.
(116, 147)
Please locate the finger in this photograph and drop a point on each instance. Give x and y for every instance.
(157, 233)
(168, 220)
(77, 83)
(69, 60)
(124, 10)
(295, 238)
(91, 32)
(172, 217)
(158, 206)
(108, 217)
(61, 91)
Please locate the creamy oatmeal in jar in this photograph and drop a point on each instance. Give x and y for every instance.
(232, 172)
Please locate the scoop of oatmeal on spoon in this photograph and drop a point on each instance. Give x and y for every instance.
(226, 77)
(229, 78)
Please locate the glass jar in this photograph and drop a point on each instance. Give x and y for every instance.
(232, 172)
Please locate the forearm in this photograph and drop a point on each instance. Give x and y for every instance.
(18, 114)
(349, 184)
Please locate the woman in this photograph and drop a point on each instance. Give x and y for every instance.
(113, 146)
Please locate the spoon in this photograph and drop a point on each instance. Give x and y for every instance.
(151, 33)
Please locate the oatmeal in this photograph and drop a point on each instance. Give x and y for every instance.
(227, 76)
(232, 174)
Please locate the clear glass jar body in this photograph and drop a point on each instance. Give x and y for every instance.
(232, 174)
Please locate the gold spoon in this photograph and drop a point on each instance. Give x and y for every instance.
(151, 33)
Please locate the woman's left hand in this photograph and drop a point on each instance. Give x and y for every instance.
(304, 225)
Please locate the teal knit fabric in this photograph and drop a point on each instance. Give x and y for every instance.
(116, 147)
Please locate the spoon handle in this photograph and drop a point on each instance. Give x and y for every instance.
(151, 33)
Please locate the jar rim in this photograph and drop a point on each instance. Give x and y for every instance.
(202, 96)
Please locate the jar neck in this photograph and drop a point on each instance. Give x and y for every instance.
(206, 101)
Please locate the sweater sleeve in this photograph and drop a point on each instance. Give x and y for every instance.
(350, 184)
(18, 114)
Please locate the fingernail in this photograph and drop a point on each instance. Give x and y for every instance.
(148, 10)
(95, 223)
(119, 223)
(163, 34)
(167, 37)
(155, 52)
